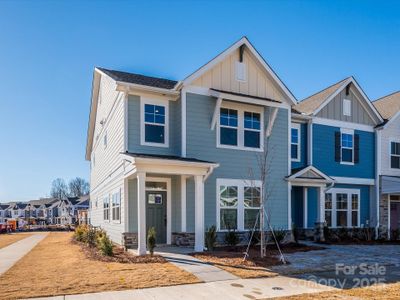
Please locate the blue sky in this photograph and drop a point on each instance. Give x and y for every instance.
(48, 50)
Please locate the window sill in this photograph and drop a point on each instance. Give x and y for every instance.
(296, 160)
(347, 163)
(240, 148)
(165, 145)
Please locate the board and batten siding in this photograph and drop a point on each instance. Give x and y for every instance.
(390, 133)
(222, 76)
(235, 164)
(334, 109)
(106, 171)
(134, 120)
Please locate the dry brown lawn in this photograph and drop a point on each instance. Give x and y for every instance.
(378, 292)
(57, 267)
(8, 239)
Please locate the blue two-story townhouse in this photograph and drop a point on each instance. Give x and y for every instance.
(333, 159)
(182, 156)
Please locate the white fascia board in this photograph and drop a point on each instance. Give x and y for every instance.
(131, 87)
(391, 120)
(353, 180)
(342, 124)
(243, 41)
(92, 113)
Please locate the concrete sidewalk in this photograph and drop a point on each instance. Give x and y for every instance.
(11, 254)
(239, 289)
(202, 270)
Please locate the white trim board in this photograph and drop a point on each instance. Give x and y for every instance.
(342, 124)
(353, 180)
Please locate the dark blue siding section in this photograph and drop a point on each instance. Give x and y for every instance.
(297, 206)
(324, 153)
(312, 207)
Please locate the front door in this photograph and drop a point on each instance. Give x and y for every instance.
(156, 214)
(394, 215)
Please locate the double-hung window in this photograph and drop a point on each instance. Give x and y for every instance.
(347, 146)
(395, 155)
(116, 206)
(342, 208)
(154, 122)
(240, 127)
(295, 142)
(238, 203)
(229, 127)
(106, 208)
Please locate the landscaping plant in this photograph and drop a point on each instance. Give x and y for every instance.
(211, 238)
(231, 238)
(91, 236)
(80, 233)
(295, 233)
(105, 245)
(280, 235)
(151, 240)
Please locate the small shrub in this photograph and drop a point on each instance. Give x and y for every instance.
(343, 234)
(295, 233)
(395, 234)
(327, 233)
(211, 238)
(80, 233)
(91, 237)
(105, 245)
(151, 240)
(231, 238)
(280, 235)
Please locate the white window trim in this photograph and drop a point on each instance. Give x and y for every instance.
(298, 127)
(109, 217)
(241, 108)
(240, 184)
(118, 193)
(346, 131)
(345, 113)
(390, 153)
(160, 102)
(349, 193)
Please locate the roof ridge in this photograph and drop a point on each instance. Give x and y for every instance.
(332, 85)
(388, 95)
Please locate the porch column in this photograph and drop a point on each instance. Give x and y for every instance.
(321, 206)
(305, 207)
(141, 217)
(183, 203)
(199, 213)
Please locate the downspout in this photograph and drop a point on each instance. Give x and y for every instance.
(377, 180)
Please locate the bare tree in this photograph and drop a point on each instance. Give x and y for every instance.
(78, 187)
(59, 189)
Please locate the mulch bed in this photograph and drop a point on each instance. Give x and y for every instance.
(119, 255)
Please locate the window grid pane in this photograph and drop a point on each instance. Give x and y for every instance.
(228, 196)
(252, 197)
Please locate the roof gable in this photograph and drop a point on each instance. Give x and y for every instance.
(388, 106)
(261, 81)
(320, 103)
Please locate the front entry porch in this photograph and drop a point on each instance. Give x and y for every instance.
(158, 197)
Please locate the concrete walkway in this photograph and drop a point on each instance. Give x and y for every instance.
(204, 271)
(11, 254)
(239, 289)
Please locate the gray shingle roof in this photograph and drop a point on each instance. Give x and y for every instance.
(140, 79)
(388, 105)
(310, 104)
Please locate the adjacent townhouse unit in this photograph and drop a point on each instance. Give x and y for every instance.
(333, 152)
(182, 156)
(4, 213)
(388, 164)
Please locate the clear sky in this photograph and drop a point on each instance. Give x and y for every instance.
(48, 50)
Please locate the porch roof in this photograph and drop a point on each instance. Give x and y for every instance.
(390, 185)
(309, 175)
(167, 164)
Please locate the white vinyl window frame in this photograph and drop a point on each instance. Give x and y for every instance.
(116, 206)
(240, 184)
(241, 109)
(391, 154)
(348, 132)
(347, 107)
(106, 208)
(159, 102)
(297, 126)
(349, 210)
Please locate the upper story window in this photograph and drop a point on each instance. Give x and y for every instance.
(295, 142)
(347, 107)
(154, 122)
(240, 127)
(395, 155)
(347, 147)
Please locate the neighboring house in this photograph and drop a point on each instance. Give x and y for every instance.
(183, 156)
(3, 213)
(389, 162)
(333, 159)
(68, 209)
